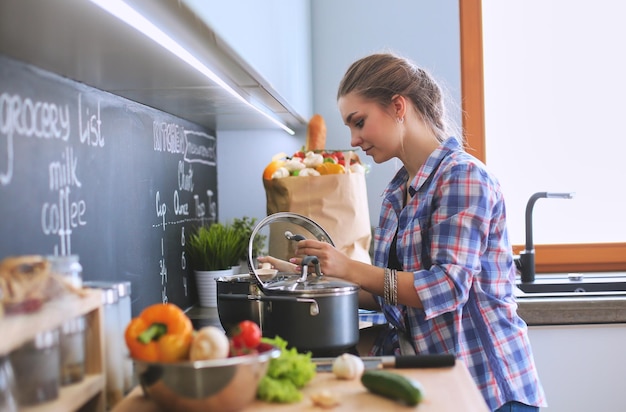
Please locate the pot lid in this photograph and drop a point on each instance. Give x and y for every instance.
(311, 285)
(279, 234)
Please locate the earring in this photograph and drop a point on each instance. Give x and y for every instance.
(400, 120)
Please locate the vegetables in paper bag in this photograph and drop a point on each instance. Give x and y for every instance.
(314, 159)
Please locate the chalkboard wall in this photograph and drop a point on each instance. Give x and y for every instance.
(87, 172)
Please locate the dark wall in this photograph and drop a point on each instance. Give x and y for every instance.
(120, 184)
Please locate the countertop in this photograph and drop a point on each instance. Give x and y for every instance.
(535, 309)
(446, 389)
(589, 309)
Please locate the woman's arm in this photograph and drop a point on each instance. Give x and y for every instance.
(281, 265)
(371, 278)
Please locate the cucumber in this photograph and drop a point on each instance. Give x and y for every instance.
(393, 386)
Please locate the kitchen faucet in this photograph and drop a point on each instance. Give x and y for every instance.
(527, 257)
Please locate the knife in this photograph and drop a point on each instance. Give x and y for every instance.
(403, 361)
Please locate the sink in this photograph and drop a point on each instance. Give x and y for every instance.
(575, 284)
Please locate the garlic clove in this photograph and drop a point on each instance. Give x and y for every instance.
(348, 366)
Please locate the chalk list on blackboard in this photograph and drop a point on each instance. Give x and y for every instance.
(120, 184)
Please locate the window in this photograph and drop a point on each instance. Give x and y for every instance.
(540, 108)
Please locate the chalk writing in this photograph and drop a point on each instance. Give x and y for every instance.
(163, 274)
(185, 180)
(200, 207)
(180, 208)
(24, 117)
(168, 137)
(81, 171)
(90, 133)
(200, 148)
(60, 217)
(212, 205)
(64, 173)
(161, 208)
(183, 260)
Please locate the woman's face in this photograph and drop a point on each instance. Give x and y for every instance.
(372, 128)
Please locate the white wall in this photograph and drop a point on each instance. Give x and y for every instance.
(274, 37)
(242, 156)
(326, 38)
(423, 30)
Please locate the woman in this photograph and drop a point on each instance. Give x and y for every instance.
(443, 271)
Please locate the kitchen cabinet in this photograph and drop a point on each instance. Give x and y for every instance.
(19, 329)
(79, 40)
(274, 36)
(582, 367)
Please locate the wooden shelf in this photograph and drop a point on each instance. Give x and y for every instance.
(88, 394)
(72, 397)
(19, 329)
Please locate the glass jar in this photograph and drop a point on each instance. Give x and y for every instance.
(72, 337)
(8, 401)
(67, 266)
(72, 349)
(125, 315)
(114, 332)
(36, 366)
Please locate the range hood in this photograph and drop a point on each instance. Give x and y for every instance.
(79, 40)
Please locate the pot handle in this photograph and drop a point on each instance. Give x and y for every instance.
(314, 308)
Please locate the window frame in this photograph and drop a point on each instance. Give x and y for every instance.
(549, 258)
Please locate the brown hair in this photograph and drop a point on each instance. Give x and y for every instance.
(379, 77)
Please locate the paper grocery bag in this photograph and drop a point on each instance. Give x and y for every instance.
(336, 202)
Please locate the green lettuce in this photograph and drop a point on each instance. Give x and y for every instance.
(286, 375)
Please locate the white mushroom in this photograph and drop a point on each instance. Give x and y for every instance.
(209, 343)
(312, 159)
(280, 173)
(309, 172)
(294, 164)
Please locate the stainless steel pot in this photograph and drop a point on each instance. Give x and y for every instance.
(311, 311)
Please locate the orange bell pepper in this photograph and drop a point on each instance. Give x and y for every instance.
(161, 333)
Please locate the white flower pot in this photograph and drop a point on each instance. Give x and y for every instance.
(207, 285)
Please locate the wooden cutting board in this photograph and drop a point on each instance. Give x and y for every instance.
(446, 390)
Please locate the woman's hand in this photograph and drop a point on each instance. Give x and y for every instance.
(279, 264)
(332, 261)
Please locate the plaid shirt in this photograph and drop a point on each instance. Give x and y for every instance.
(452, 235)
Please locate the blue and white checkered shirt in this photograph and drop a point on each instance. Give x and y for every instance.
(452, 235)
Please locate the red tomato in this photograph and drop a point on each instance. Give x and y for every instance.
(246, 334)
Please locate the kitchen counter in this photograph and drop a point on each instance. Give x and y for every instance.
(610, 308)
(534, 309)
(206, 316)
(446, 389)
(203, 316)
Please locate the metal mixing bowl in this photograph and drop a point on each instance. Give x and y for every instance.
(212, 385)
